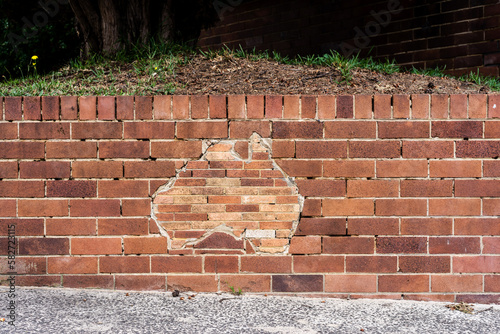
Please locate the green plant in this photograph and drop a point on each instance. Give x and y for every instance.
(235, 292)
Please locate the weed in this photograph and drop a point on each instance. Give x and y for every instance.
(235, 292)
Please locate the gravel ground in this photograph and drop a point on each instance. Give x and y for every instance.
(42, 310)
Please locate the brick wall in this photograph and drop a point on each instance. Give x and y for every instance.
(362, 196)
(461, 35)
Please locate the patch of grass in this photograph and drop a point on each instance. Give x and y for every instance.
(235, 292)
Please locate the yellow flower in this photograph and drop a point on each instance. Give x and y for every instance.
(34, 57)
(156, 68)
(34, 64)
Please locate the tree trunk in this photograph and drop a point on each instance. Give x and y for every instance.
(108, 26)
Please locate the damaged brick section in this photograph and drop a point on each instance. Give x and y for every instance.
(226, 204)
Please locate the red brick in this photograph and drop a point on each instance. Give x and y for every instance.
(124, 107)
(291, 107)
(97, 169)
(348, 207)
(8, 131)
(403, 283)
(321, 149)
(491, 207)
(42, 208)
(345, 106)
(108, 130)
(492, 129)
(149, 130)
(477, 106)
(476, 264)
(25, 265)
(32, 108)
(292, 130)
(140, 283)
(255, 106)
(215, 129)
(372, 188)
(408, 129)
(13, 108)
(308, 106)
(363, 106)
(145, 245)
(477, 188)
(491, 245)
(247, 283)
(305, 245)
(350, 283)
(266, 264)
(122, 188)
(491, 168)
(348, 245)
(236, 106)
(420, 106)
(244, 129)
(88, 108)
(274, 106)
(305, 168)
(202, 283)
(217, 104)
(402, 168)
(326, 107)
(221, 264)
(75, 150)
(199, 106)
(88, 281)
(428, 149)
(71, 188)
(349, 168)
(8, 170)
(426, 226)
(457, 129)
(372, 226)
(322, 187)
(455, 168)
(123, 226)
(23, 226)
(318, 264)
(404, 245)
(96, 246)
(350, 129)
(458, 106)
(424, 264)
(493, 106)
(43, 246)
(69, 108)
(143, 107)
(374, 149)
(124, 264)
(176, 149)
(297, 283)
(456, 283)
(401, 207)
(321, 226)
(454, 207)
(8, 208)
(426, 188)
(439, 106)
(478, 149)
(44, 169)
(180, 107)
(72, 265)
(125, 149)
(491, 283)
(371, 264)
(62, 226)
(477, 226)
(21, 189)
(22, 150)
(106, 108)
(382, 106)
(150, 169)
(401, 106)
(95, 207)
(39, 280)
(219, 240)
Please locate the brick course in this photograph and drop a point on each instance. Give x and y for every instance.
(387, 206)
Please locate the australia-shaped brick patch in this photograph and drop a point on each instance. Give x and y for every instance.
(225, 204)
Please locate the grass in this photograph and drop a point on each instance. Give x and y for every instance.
(147, 70)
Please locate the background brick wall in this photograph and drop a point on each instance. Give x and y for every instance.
(462, 35)
(402, 193)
